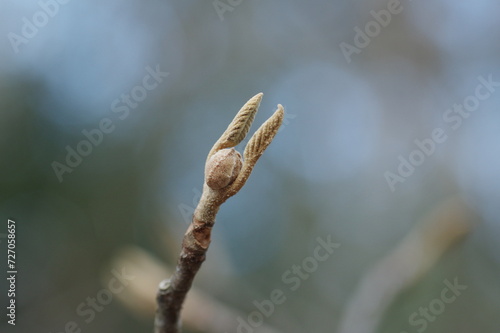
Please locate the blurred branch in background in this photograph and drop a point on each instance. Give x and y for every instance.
(201, 312)
(445, 225)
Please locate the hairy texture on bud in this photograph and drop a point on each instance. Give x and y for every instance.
(222, 168)
(239, 127)
(264, 135)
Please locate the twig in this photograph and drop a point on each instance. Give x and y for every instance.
(201, 312)
(225, 175)
(417, 253)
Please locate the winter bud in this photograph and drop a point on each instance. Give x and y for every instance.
(222, 168)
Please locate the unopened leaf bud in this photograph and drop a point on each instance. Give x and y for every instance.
(222, 168)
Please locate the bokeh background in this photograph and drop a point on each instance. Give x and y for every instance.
(347, 124)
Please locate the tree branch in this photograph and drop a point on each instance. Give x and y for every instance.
(445, 225)
(225, 175)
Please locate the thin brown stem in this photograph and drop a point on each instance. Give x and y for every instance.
(220, 167)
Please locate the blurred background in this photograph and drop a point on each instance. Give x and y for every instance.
(108, 109)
